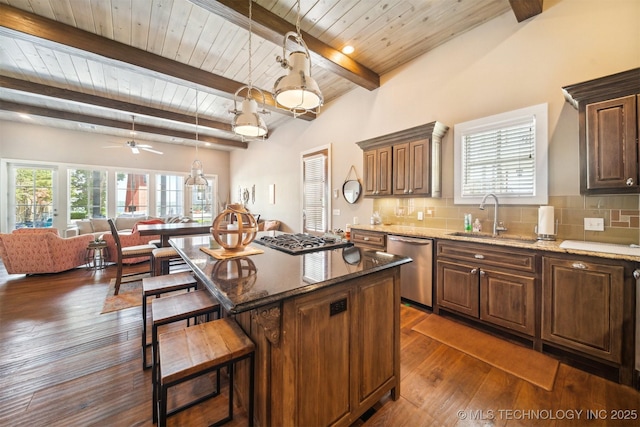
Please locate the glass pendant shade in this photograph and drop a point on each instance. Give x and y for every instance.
(248, 122)
(197, 176)
(298, 90)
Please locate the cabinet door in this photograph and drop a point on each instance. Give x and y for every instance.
(377, 172)
(457, 287)
(582, 306)
(508, 300)
(612, 158)
(322, 359)
(375, 349)
(384, 171)
(370, 172)
(411, 168)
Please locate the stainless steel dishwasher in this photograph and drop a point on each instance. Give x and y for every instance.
(416, 285)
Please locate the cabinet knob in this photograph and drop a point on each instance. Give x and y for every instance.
(410, 191)
(366, 239)
(636, 274)
(629, 182)
(473, 271)
(482, 273)
(406, 191)
(478, 256)
(579, 266)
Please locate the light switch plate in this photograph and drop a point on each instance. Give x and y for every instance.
(420, 215)
(336, 212)
(594, 224)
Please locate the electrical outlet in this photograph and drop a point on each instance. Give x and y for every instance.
(420, 215)
(594, 224)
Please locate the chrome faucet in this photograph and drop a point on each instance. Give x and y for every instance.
(496, 226)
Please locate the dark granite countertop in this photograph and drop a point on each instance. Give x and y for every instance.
(246, 283)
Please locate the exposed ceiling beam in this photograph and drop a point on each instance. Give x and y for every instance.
(47, 29)
(525, 9)
(99, 121)
(271, 27)
(125, 107)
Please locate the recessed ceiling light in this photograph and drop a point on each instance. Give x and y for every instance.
(348, 50)
(24, 116)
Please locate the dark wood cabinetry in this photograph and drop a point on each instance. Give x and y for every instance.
(405, 163)
(377, 172)
(411, 168)
(609, 125)
(369, 239)
(495, 285)
(582, 306)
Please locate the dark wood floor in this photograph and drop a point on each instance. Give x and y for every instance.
(62, 363)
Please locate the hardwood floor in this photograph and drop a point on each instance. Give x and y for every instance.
(62, 363)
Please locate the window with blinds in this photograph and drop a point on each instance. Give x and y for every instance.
(315, 191)
(504, 155)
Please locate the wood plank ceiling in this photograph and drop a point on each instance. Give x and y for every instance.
(92, 65)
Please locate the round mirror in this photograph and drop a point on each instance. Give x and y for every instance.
(351, 190)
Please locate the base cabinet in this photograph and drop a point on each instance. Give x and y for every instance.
(483, 282)
(338, 353)
(582, 306)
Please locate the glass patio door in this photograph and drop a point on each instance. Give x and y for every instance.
(33, 197)
(201, 205)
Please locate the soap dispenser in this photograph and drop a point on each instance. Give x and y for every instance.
(477, 226)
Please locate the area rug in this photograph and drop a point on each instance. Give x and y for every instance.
(130, 295)
(524, 363)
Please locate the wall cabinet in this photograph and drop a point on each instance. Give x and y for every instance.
(609, 125)
(495, 285)
(582, 306)
(405, 163)
(377, 172)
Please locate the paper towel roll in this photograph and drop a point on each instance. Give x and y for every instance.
(546, 222)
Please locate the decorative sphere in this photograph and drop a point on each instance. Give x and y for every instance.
(234, 228)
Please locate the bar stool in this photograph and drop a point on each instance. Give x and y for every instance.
(172, 309)
(196, 351)
(156, 286)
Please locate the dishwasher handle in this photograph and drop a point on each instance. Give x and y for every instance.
(409, 240)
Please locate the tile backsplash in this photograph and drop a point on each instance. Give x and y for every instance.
(621, 214)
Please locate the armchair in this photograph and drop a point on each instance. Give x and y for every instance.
(41, 250)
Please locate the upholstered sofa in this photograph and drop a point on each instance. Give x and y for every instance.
(41, 250)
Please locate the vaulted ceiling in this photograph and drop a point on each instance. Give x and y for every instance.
(93, 65)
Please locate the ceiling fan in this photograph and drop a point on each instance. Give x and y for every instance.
(135, 147)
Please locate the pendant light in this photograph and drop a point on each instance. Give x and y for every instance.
(247, 122)
(196, 178)
(297, 92)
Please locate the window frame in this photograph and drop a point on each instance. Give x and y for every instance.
(325, 152)
(500, 121)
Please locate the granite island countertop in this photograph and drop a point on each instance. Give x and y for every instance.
(249, 282)
(511, 241)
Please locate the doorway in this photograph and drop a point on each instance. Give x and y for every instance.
(33, 196)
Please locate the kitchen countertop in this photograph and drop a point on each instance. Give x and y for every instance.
(249, 282)
(511, 241)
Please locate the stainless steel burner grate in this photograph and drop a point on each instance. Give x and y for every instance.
(301, 243)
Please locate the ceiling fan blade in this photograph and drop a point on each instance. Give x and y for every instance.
(135, 150)
(151, 151)
(144, 146)
(112, 146)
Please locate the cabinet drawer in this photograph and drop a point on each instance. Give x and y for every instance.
(488, 255)
(371, 239)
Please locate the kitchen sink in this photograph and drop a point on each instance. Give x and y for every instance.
(491, 237)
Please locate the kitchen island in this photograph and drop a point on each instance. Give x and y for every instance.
(326, 326)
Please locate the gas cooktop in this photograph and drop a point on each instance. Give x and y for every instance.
(301, 243)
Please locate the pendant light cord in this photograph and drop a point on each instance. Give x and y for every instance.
(196, 123)
(298, 20)
(250, 37)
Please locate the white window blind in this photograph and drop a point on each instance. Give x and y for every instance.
(505, 154)
(315, 192)
(500, 160)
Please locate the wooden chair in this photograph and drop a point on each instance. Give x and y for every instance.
(127, 252)
(196, 351)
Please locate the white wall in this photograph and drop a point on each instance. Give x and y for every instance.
(499, 66)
